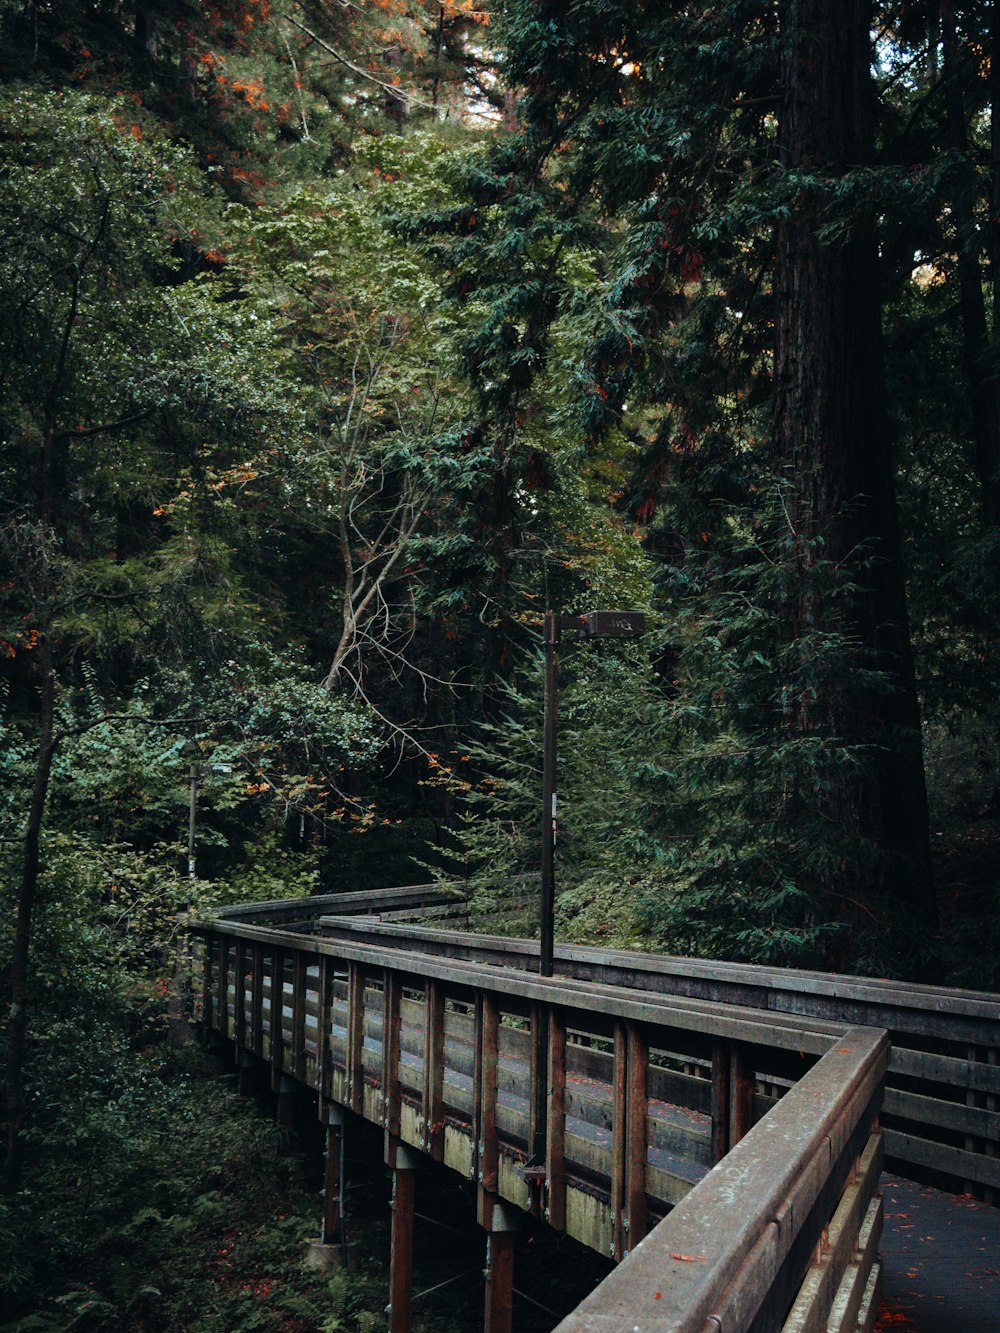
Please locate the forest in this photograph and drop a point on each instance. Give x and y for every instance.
(340, 341)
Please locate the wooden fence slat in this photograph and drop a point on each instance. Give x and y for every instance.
(975, 1167)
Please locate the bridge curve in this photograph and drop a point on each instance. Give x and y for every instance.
(713, 1127)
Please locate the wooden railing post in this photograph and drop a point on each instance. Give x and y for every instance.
(298, 1051)
(721, 1079)
(241, 978)
(206, 982)
(490, 1047)
(324, 1004)
(222, 988)
(636, 1218)
(257, 1000)
(354, 1057)
(619, 1101)
(555, 1139)
(433, 1080)
(477, 1086)
(741, 1094)
(276, 1052)
(392, 988)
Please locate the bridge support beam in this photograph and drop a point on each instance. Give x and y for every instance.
(500, 1221)
(248, 1076)
(404, 1162)
(333, 1177)
(287, 1092)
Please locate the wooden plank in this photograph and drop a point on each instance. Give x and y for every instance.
(976, 1167)
(956, 1116)
(810, 1310)
(555, 1124)
(846, 1306)
(945, 1069)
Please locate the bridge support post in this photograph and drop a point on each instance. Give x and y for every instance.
(732, 1096)
(333, 1178)
(248, 1074)
(287, 1089)
(500, 1222)
(404, 1162)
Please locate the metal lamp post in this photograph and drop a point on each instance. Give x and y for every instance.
(592, 625)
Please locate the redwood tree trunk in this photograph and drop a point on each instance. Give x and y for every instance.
(831, 437)
(984, 386)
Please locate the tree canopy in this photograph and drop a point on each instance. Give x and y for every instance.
(342, 341)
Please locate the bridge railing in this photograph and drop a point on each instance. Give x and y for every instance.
(594, 1105)
(756, 1245)
(942, 1105)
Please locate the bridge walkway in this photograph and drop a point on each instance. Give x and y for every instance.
(715, 1130)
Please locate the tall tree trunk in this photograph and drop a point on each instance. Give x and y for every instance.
(831, 437)
(984, 384)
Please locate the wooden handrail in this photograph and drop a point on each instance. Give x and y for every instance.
(943, 1040)
(718, 1260)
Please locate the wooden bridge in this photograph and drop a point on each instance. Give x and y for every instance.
(719, 1129)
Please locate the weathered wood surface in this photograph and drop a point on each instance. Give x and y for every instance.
(442, 1053)
(721, 1258)
(946, 1043)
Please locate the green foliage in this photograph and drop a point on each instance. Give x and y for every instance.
(159, 1203)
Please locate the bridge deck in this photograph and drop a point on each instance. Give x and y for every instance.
(941, 1261)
